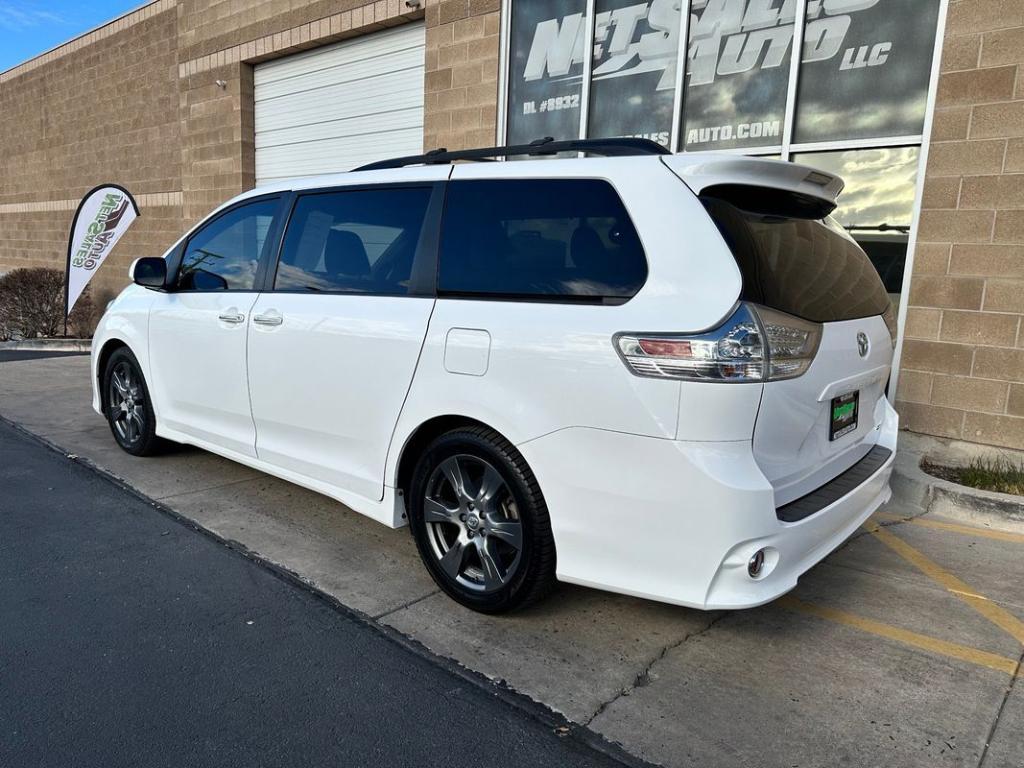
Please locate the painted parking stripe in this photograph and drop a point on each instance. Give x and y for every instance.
(967, 530)
(990, 610)
(906, 637)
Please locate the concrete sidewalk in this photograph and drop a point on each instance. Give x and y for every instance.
(877, 659)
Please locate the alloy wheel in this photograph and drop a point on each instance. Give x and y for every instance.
(126, 404)
(473, 524)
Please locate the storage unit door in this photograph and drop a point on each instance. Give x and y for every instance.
(334, 108)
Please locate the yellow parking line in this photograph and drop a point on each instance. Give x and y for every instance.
(968, 530)
(924, 642)
(994, 613)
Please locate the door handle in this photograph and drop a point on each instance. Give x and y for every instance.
(270, 318)
(232, 316)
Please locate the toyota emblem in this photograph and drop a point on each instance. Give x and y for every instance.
(863, 345)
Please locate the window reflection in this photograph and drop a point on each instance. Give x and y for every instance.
(353, 241)
(546, 68)
(865, 69)
(224, 254)
(633, 79)
(876, 204)
(737, 74)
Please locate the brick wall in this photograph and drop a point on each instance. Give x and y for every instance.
(963, 360)
(221, 40)
(138, 102)
(103, 110)
(461, 99)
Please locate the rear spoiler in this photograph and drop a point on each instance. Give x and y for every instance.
(702, 171)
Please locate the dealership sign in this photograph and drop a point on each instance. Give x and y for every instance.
(104, 214)
(737, 68)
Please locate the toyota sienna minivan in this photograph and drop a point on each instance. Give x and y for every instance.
(660, 375)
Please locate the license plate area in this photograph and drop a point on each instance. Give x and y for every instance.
(843, 415)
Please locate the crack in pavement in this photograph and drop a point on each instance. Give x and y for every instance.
(999, 712)
(403, 606)
(177, 494)
(861, 532)
(643, 679)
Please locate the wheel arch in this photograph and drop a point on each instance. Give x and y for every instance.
(422, 436)
(110, 346)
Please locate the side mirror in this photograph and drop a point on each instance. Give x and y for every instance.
(150, 272)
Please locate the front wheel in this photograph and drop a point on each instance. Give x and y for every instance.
(129, 411)
(480, 522)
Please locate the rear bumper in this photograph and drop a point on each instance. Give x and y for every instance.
(678, 521)
(796, 547)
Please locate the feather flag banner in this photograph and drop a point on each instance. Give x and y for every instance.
(104, 214)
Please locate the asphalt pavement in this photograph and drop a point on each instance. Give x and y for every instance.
(905, 647)
(128, 637)
(14, 355)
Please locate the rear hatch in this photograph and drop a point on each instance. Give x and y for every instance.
(794, 259)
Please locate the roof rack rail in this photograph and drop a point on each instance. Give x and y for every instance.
(545, 146)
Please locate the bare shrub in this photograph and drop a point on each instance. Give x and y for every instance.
(32, 305)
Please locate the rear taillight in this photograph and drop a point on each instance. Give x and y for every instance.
(792, 343)
(754, 344)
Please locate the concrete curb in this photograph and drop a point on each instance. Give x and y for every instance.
(49, 345)
(912, 486)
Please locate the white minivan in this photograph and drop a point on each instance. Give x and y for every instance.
(661, 375)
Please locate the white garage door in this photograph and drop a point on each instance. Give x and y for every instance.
(334, 108)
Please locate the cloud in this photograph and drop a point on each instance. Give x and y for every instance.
(19, 15)
(880, 183)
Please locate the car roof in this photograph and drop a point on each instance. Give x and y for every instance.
(699, 170)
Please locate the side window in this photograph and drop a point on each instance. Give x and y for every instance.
(569, 238)
(358, 241)
(224, 254)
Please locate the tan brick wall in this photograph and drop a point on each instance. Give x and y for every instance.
(221, 40)
(137, 102)
(962, 372)
(461, 99)
(103, 110)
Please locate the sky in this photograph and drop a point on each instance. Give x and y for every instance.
(30, 27)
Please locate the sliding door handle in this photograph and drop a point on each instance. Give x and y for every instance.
(270, 318)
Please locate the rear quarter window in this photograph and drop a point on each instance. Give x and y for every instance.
(568, 239)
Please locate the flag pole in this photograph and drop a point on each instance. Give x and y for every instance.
(67, 268)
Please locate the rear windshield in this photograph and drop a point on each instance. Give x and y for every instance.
(808, 267)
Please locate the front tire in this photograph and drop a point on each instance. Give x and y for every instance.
(480, 522)
(127, 404)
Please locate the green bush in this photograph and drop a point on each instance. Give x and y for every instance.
(32, 306)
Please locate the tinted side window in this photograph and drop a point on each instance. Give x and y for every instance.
(359, 241)
(569, 238)
(224, 254)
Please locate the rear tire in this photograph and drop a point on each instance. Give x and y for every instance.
(127, 404)
(480, 522)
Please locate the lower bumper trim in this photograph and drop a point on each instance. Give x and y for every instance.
(834, 489)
